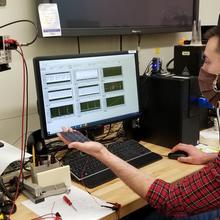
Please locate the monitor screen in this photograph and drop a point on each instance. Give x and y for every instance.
(103, 17)
(86, 90)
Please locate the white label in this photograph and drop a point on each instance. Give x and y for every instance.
(186, 53)
(49, 20)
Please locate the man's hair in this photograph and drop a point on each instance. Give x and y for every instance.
(214, 32)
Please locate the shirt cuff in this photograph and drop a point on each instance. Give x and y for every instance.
(157, 193)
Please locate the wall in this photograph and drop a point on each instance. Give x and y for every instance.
(209, 12)
(11, 81)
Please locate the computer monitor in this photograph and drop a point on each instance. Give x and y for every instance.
(86, 90)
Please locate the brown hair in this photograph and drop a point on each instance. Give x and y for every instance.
(214, 32)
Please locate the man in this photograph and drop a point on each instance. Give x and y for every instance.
(197, 193)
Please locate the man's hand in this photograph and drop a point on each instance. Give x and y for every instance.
(93, 148)
(195, 156)
(134, 178)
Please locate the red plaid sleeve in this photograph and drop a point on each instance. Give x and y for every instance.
(193, 194)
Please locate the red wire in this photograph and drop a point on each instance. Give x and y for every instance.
(23, 111)
(22, 129)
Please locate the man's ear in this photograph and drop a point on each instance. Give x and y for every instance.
(216, 85)
(218, 82)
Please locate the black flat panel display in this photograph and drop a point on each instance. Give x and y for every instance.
(83, 91)
(112, 17)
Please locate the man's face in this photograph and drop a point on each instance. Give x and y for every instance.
(212, 56)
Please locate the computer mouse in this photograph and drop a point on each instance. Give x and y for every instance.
(176, 154)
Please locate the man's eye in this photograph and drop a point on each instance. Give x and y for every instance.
(203, 59)
(206, 60)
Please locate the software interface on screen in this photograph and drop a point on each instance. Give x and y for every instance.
(84, 91)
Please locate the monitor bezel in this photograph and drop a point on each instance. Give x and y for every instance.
(40, 99)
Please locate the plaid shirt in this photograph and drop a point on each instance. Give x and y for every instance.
(193, 194)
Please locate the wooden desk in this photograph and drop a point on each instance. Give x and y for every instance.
(117, 191)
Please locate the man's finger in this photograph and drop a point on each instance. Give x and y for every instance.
(185, 159)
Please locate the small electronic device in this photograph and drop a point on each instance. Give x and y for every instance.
(188, 60)
(176, 154)
(87, 90)
(5, 54)
(74, 136)
(156, 65)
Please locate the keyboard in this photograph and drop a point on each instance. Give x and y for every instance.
(92, 172)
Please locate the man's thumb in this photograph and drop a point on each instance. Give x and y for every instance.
(184, 159)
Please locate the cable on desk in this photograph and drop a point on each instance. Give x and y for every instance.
(55, 146)
(55, 216)
(6, 207)
(112, 205)
(108, 133)
(4, 190)
(114, 138)
(23, 124)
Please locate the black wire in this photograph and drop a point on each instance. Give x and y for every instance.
(55, 146)
(167, 66)
(146, 71)
(6, 207)
(109, 130)
(25, 167)
(115, 138)
(78, 45)
(24, 20)
(4, 190)
(139, 41)
(120, 43)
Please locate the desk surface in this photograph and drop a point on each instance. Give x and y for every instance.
(117, 191)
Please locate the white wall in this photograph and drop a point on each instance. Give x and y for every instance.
(209, 12)
(11, 81)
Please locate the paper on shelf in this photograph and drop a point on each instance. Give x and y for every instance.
(207, 148)
(209, 139)
(210, 133)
